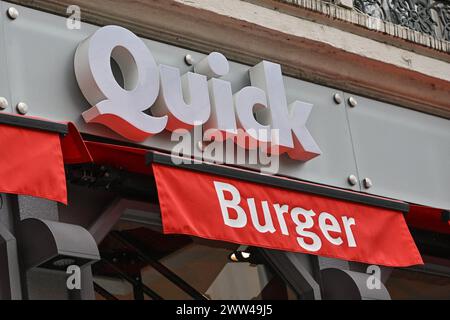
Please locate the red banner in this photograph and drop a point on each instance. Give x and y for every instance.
(246, 213)
(32, 163)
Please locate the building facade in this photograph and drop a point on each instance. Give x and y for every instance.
(211, 149)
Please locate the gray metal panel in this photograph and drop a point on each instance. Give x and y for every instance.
(41, 51)
(4, 84)
(87, 284)
(295, 271)
(32, 207)
(46, 284)
(40, 64)
(6, 216)
(55, 239)
(405, 153)
(10, 288)
(328, 125)
(349, 285)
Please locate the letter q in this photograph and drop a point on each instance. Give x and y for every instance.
(120, 109)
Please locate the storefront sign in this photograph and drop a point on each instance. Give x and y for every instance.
(225, 209)
(155, 98)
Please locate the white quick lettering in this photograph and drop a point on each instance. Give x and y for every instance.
(154, 98)
(333, 230)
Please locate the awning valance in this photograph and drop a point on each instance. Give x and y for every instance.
(236, 205)
(208, 202)
(32, 155)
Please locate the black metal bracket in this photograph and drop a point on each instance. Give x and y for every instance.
(302, 285)
(100, 177)
(129, 241)
(152, 294)
(280, 182)
(31, 123)
(103, 292)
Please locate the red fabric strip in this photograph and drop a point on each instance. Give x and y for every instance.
(128, 158)
(191, 204)
(73, 147)
(32, 163)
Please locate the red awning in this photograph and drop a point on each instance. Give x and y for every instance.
(32, 157)
(127, 158)
(427, 218)
(335, 223)
(219, 207)
(217, 204)
(346, 225)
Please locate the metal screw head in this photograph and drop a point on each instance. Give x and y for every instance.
(352, 102)
(337, 98)
(201, 146)
(189, 60)
(12, 12)
(352, 180)
(3, 103)
(22, 108)
(367, 183)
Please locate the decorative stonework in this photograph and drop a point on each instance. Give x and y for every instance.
(426, 16)
(426, 22)
(442, 9)
(414, 14)
(373, 8)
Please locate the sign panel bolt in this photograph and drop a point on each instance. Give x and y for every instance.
(3, 103)
(337, 98)
(189, 60)
(352, 102)
(201, 146)
(22, 108)
(352, 180)
(13, 14)
(367, 183)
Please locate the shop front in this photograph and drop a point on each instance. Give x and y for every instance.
(160, 172)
